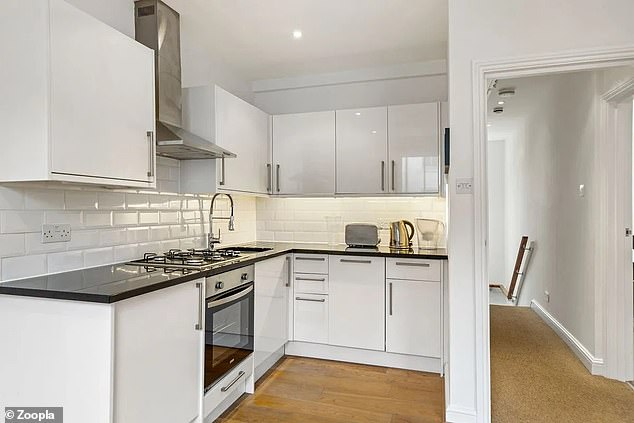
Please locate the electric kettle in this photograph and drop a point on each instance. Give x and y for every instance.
(401, 234)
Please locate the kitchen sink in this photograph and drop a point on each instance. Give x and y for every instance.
(248, 249)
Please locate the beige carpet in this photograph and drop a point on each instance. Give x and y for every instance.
(536, 378)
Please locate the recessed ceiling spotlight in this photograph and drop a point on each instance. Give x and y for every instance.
(297, 34)
(374, 132)
(357, 113)
(489, 125)
(506, 92)
(500, 102)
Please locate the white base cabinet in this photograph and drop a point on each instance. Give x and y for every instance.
(272, 286)
(413, 318)
(137, 360)
(357, 296)
(77, 98)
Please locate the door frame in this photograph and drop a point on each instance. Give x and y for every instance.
(482, 72)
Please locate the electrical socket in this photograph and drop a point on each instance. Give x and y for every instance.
(547, 296)
(55, 233)
(464, 186)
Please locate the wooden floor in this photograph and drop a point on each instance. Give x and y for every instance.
(303, 390)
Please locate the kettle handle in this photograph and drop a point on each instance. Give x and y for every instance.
(410, 234)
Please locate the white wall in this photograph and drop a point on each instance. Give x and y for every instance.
(497, 211)
(496, 29)
(119, 14)
(307, 219)
(351, 95)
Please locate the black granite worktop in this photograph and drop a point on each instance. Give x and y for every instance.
(112, 283)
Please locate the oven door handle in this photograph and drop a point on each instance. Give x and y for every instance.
(230, 298)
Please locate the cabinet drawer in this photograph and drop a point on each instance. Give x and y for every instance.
(413, 269)
(311, 318)
(311, 263)
(234, 380)
(309, 283)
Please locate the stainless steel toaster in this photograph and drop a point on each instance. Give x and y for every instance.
(362, 235)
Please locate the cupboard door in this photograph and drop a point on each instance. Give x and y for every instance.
(158, 355)
(243, 129)
(311, 318)
(102, 99)
(356, 288)
(271, 308)
(361, 151)
(413, 318)
(304, 153)
(413, 144)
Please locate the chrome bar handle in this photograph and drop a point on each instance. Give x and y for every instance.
(201, 299)
(277, 176)
(393, 184)
(391, 298)
(269, 177)
(382, 175)
(222, 171)
(400, 263)
(288, 272)
(355, 261)
(299, 278)
(311, 258)
(151, 153)
(233, 382)
(323, 300)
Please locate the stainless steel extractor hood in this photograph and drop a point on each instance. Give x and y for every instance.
(158, 27)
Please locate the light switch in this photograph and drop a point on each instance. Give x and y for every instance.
(464, 186)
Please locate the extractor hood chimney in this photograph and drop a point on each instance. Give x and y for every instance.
(158, 27)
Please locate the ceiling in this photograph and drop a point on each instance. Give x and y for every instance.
(254, 38)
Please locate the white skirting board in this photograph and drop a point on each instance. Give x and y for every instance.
(373, 358)
(592, 363)
(268, 363)
(460, 415)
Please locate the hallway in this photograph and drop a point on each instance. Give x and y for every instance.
(536, 378)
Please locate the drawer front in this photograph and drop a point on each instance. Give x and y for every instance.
(311, 263)
(311, 318)
(235, 380)
(413, 269)
(309, 283)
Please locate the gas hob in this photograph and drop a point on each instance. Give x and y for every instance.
(187, 260)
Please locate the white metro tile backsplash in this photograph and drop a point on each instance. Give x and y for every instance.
(107, 226)
(323, 220)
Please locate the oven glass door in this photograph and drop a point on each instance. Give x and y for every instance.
(229, 321)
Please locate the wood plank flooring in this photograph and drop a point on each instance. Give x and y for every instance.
(303, 390)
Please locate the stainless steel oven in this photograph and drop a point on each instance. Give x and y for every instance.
(229, 322)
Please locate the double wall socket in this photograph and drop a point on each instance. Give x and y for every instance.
(55, 233)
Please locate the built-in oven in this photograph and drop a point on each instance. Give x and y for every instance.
(229, 322)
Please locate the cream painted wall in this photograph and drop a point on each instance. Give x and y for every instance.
(497, 211)
(497, 29)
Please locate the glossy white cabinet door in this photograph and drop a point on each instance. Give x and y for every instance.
(413, 320)
(414, 155)
(243, 129)
(102, 99)
(361, 151)
(356, 289)
(311, 318)
(272, 278)
(304, 153)
(158, 356)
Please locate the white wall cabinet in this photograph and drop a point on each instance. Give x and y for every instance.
(80, 106)
(356, 289)
(243, 129)
(304, 154)
(272, 288)
(413, 148)
(219, 116)
(413, 317)
(361, 152)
